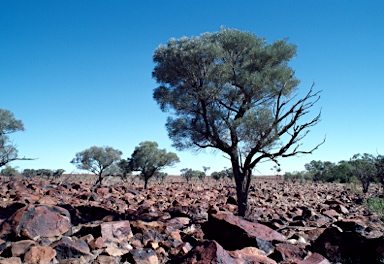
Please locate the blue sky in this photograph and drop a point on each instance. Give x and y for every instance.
(78, 73)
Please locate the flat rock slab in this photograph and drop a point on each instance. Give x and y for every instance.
(34, 221)
(233, 232)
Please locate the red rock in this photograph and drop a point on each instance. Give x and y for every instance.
(38, 221)
(208, 252)
(250, 255)
(39, 255)
(315, 258)
(285, 252)
(140, 226)
(12, 260)
(102, 259)
(233, 232)
(143, 256)
(20, 247)
(67, 248)
(116, 231)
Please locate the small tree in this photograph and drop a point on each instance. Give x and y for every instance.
(187, 174)
(149, 160)
(232, 91)
(96, 160)
(57, 173)
(161, 176)
(203, 174)
(9, 171)
(29, 173)
(380, 169)
(365, 169)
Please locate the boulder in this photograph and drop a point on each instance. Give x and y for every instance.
(39, 255)
(66, 248)
(143, 256)
(35, 221)
(233, 232)
(250, 255)
(208, 252)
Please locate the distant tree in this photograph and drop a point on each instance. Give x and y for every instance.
(149, 160)
(29, 173)
(379, 164)
(8, 125)
(125, 169)
(203, 174)
(97, 160)
(44, 173)
(320, 171)
(9, 171)
(365, 168)
(232, 91)
(218, 175)
(57, 173)
(189, 174)
(161, 176)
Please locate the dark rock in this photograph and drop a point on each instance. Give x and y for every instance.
(143, 256)
(349, 247)
(67, 248)
(37, 221)
(287, 252)
(233, 232)
(208, 252)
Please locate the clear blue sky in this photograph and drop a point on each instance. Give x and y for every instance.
(78, 73)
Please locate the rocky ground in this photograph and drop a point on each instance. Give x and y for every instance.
(60, 222)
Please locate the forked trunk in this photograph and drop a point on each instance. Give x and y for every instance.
(243, 181)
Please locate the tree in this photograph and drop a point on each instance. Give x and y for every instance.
(231, 91)
(161, 176)
(97, 160)
(9, 171)
(149, 160)
(189, 174)
(365, 169)
(8, 125)
(203, 174)
(380, 169)
(319, 170)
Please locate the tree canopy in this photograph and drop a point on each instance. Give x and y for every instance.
(231, 90)
(149, 160)
(96, 160)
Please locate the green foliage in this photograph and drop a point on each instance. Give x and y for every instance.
(231, 90)
(96, 160)
(326, 171)
(161, 176)
(297, 176)
(28, 173)
(376, 204)
(149, 160)
(365, 169)
(220, 175)
(9, 171)
(8, 124)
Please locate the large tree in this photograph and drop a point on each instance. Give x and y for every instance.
(97, 160)
(231, 90)
(8, 124)
(149, 160)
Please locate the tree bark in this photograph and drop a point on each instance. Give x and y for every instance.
(243, 181)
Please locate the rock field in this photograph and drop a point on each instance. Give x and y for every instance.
(45, 221)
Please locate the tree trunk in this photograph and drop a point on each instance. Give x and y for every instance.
(243, 181)
(145, 183)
